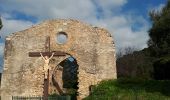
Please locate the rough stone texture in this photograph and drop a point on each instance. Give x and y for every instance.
(92, 47)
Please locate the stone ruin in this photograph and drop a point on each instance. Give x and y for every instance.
(93, 49)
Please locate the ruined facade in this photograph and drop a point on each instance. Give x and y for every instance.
(92, 47)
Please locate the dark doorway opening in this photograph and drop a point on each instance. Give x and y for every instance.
(67, 72)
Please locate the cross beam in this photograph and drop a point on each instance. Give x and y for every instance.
(37, 54)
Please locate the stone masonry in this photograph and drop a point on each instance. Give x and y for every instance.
(92, 47)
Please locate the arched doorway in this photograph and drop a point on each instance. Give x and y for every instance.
(64, 77)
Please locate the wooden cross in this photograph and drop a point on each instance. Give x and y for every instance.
(46, 53)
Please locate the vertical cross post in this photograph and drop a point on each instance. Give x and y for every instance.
(46, 88)
(47, 44)
(46, 81)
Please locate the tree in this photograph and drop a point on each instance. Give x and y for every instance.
(159, 42)
(132, 63)
(125, 51)
(0, 24)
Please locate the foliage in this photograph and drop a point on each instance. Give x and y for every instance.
(136, 64)
(159, 42)
(0, 24)
(131, 89)
(161, 68)
(125, 51)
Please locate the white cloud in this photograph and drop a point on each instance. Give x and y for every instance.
(156, 8)
(117, 23)
(13, 25)
(52, 8)
(122, 32)
(111, 3)
(159, 8)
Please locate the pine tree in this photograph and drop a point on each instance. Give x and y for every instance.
(0, 24)
(159, 42)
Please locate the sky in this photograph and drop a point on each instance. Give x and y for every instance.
(127, 20)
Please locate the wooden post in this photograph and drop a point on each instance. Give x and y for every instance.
(46, 88)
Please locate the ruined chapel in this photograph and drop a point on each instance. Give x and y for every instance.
(89, 50)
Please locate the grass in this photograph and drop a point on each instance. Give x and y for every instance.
(131, 89)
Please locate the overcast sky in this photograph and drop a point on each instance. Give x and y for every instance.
(126, 20)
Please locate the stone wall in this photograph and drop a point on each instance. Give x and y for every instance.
(92, 47)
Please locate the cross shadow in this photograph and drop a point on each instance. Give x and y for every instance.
(57, 86)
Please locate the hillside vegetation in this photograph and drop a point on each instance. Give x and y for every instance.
(131, 89)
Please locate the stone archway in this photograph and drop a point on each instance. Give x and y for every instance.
(65, 77)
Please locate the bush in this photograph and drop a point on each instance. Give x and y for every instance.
(162, 68)
(131, 89)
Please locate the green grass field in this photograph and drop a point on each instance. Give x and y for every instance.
(131, 89)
